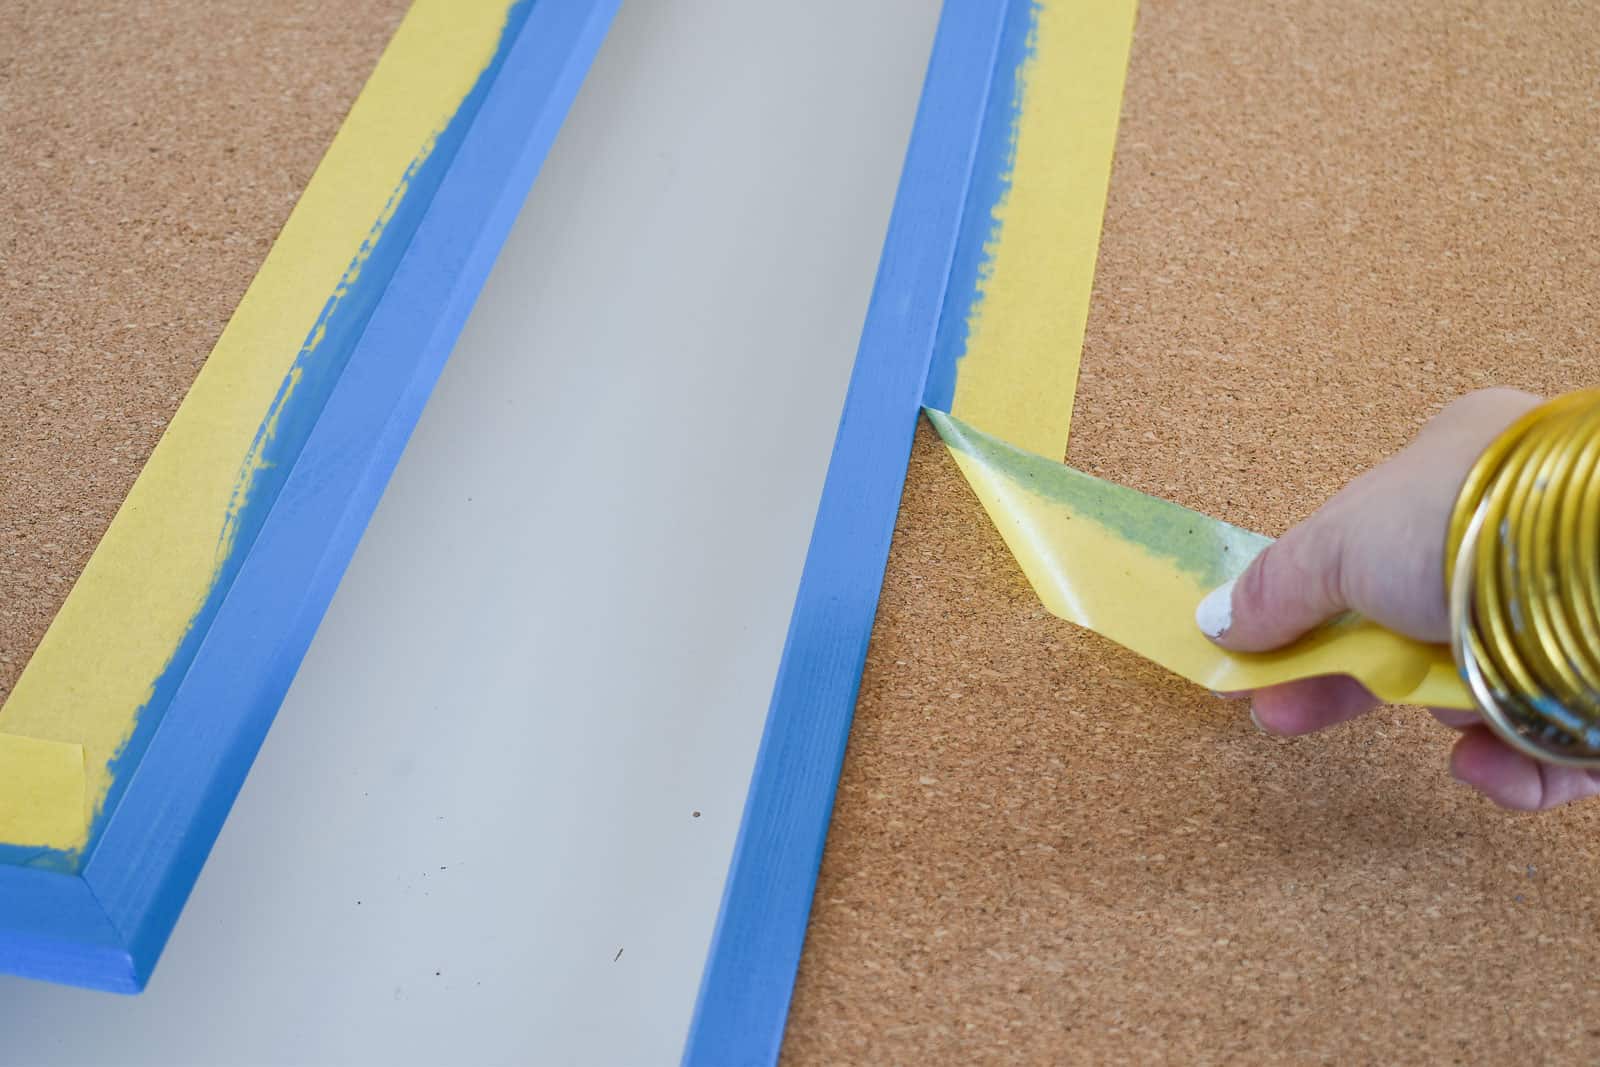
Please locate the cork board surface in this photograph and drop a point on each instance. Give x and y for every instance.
(149, 154)
(1325, 221)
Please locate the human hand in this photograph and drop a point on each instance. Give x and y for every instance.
(1377, 548)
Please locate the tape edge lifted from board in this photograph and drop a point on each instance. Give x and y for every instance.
(934, 261)
(1133, 568)
(99, 915)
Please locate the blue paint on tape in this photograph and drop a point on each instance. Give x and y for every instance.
(388, 338)
(304, 393)
(288, 422)
(991, 182)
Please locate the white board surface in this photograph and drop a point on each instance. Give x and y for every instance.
(472, 835)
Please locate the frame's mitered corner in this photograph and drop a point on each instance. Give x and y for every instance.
(53, 928)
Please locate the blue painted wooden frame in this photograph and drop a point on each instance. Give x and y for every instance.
(952, 177)
(105, 927)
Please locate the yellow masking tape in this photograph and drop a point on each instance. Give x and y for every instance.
(1133, 568)
(41, 791)
(151, 573)
(1018, 375)
(1128, 566)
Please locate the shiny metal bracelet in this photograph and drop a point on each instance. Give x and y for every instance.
(1523, 580)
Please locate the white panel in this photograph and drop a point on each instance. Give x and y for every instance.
(557, 641)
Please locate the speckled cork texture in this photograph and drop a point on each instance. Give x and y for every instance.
(150, 150)
(1325, 221)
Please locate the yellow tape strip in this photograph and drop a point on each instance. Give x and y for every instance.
(1133, 568)
(41, 791)
(149, 576)
(1019, 373)
(1128, 566)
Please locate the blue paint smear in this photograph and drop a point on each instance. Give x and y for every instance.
(995, 161)
(289, 422)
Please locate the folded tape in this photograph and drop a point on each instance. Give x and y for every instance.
(1128, 566)
(1133, 568)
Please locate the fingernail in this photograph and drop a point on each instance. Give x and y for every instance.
(1215, 613)
(1255, 719)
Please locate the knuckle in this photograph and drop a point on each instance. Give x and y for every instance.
(1301, 576)
(1480, 402)
(1250, 595)
(1333, 577)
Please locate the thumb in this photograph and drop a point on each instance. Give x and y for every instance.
(1291, 587)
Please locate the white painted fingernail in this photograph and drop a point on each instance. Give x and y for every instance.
(1215, 613)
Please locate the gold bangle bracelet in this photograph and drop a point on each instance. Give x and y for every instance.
(1522, 574)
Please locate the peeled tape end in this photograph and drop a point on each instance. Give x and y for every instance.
(1157, 578)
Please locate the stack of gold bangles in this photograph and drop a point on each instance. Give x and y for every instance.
(1522, 572)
